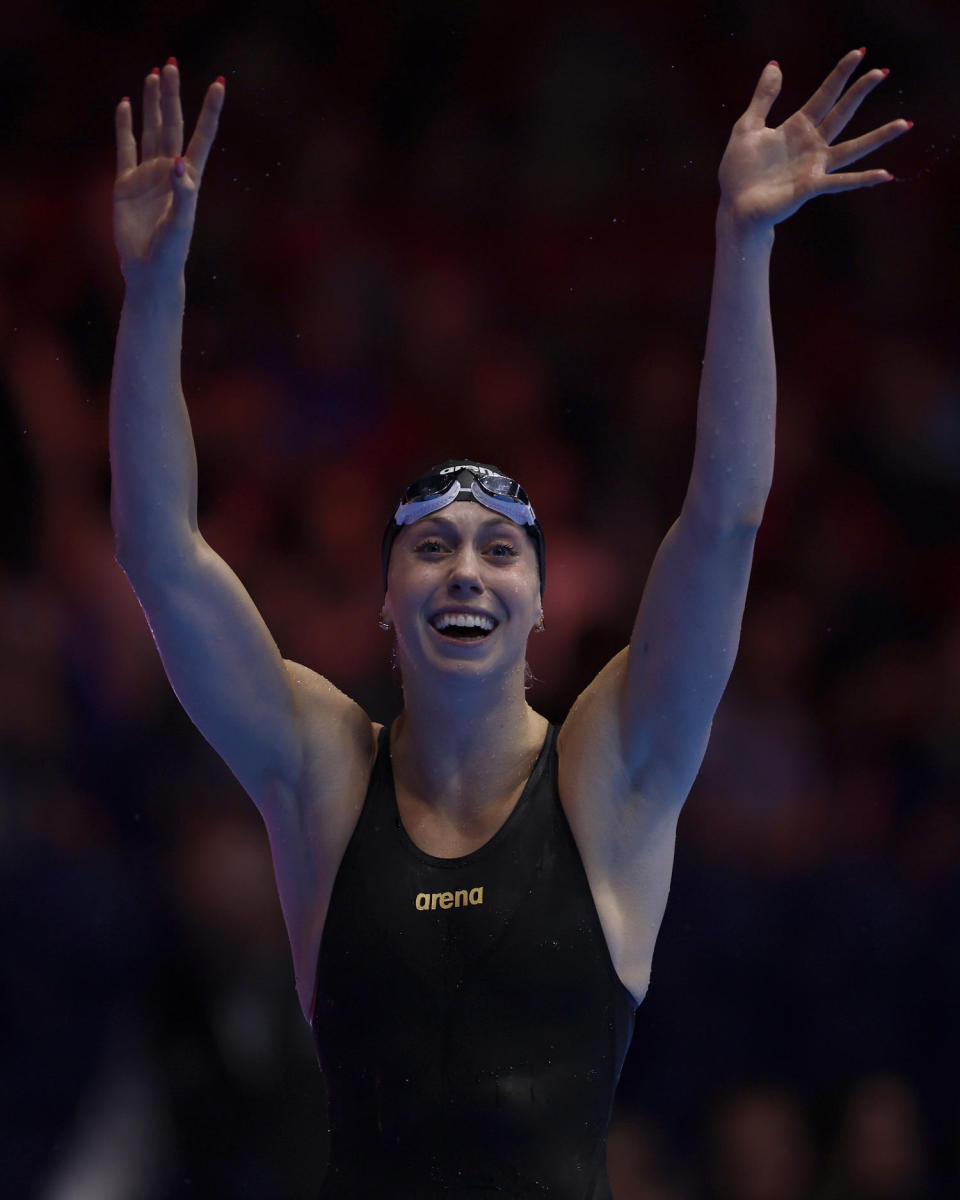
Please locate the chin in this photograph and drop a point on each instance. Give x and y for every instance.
(463, 661)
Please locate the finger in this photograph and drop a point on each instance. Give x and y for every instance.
(848, 152)
(839, 116)
(126, 142)
(184, 198)
(826, 95)
(855, 179)
(199, 148)
(171, 114)
(150, 142)
(766, 91)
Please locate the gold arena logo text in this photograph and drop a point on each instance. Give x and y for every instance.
(429, 900)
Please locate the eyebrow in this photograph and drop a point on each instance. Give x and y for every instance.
(447, 523)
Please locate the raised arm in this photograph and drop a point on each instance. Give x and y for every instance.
(299, 746)
(659, 696)
(634, 741)
(217, 652)
(687, 631)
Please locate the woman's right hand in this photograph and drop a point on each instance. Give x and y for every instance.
(154, 201)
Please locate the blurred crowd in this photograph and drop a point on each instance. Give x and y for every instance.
(484, 229)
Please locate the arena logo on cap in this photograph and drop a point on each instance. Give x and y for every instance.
(426, 901)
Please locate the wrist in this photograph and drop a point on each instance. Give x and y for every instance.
(149, 286)
(746, 233)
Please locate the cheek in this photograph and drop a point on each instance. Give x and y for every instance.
(525, 598)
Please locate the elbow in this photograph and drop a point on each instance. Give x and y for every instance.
(743, 510)
(732, 515)
(121, 554)
(125, 550)
(148, 560)
(750, 515)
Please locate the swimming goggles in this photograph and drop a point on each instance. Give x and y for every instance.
(465, 481)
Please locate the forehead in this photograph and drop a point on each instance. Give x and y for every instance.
(463, 519)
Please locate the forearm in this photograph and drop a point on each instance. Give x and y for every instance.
(736, 411)
(152, 458)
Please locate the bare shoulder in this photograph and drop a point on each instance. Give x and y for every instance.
(624, 826)
(338, 736)
(339, 745)
(309, 828)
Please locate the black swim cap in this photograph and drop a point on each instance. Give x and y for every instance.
(464, 479)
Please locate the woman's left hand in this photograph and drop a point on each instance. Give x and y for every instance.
(766, 174)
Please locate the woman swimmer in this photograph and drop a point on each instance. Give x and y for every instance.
(472, 896)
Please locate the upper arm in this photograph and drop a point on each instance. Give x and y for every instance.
(633, 742)
(683, 647)
(226, 669)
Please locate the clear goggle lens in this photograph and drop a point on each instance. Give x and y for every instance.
(496, 492)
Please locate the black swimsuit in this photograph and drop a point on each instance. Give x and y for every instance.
(469, 1021)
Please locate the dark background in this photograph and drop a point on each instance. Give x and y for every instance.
(484, 228)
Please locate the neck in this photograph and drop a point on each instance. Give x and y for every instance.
(466, 744)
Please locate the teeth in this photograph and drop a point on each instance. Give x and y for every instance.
(464, 620)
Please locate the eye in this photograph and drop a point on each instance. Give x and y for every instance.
(502, 550)
(430, 546)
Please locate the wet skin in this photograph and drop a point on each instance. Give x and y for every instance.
(463, 559)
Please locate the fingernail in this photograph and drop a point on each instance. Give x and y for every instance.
(862, 51)
(220, 79)
(909, 124)
(884, 71)
(179, 167)
(773, 63)
(171, 62)
(126, 100)
(155, 71)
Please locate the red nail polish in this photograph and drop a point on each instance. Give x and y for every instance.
(220, 79)
(884, 71)
(155, 71)
(126, 100)
(862, 51)
(909, 124)
(171, 62)
(773, 63)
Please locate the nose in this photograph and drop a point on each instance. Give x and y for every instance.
(464, 577)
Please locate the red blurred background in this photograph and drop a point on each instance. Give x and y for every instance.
(485, 228)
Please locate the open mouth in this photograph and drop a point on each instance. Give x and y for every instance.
(464, 627)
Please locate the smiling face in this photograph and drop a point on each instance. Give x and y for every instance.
(463, 592)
